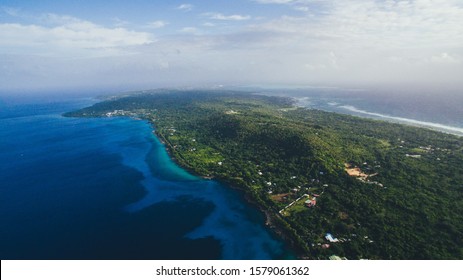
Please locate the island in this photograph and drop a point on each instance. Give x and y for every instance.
(332, 186)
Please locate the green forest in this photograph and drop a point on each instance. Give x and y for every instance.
(330, 184)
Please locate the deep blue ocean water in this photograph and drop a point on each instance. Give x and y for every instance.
(74, 188)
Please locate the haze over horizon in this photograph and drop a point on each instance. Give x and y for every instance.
(145, 44)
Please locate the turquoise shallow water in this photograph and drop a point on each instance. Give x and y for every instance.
(106, 189)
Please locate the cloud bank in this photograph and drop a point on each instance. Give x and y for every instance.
(288, 42)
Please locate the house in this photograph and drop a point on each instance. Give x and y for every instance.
(330, 238)
(311, 202)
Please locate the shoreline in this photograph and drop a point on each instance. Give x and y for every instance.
(356, 112)
(354, 138)
(457, 131)
(272, 221)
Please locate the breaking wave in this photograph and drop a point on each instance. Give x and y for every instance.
(436, 126)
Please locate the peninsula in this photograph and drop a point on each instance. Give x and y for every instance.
(332, 185)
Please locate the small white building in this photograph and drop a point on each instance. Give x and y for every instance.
(331, 238)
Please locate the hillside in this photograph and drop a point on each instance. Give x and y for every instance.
(330, 184)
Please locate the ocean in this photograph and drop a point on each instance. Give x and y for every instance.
(105, 188)
(437, 110)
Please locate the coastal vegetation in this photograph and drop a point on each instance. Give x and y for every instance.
(330, 184)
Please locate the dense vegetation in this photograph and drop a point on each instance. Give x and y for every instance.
(404, 202)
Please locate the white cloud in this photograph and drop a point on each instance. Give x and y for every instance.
(445, 58)
(415, 42)
(208, 24)
(189, 29)
(302, 8)
(119, 22)
(290, 2)
(67, 36)
(298, 5)
(274, 1)
(219, 16)
(380, 25)
(185, 7)
(347, 42)
(157, 24)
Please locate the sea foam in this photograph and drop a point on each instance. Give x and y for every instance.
(436, 126)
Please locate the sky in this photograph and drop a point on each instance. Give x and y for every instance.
(142, 44)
